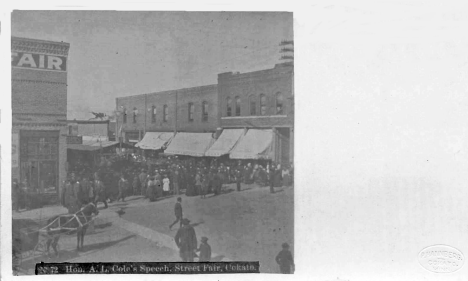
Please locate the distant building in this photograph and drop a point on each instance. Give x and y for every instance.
(260, 100)
(39, 105)
(183, 110)
(260, 103)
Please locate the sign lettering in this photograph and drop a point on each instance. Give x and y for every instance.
(26, 60)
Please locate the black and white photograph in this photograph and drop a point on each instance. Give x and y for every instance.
(152, 137)
(236, 140)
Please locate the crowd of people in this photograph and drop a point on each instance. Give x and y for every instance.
(169, 176)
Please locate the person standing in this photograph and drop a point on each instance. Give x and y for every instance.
(150, 193)
(166, 184)
(205, 250)
(204, 186)
(91, 190)
(75, 203)
(15, 192)
(186, 240)
(84, 191)
(123, 186)
(136, 184)
(175, 180)
(272, 179)
(285, 260)
(143, 177)
(178, 213)
(238, 177)
(100, 190)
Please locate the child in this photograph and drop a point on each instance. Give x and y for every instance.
(285, 259)
(205, 250)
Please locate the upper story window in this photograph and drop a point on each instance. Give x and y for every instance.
(205, 111)
(228, 106)
(135, 113)
(190, 111)
(253, 105)
(153, 114)
(279, 104)
(263, 107)
(165, 113)
(238, 106)
(125, 116)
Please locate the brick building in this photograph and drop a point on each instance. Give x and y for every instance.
(260, 100)
(260, 103)
(39, 107)
(196, 111)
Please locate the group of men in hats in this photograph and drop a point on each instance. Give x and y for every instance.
(77, 193)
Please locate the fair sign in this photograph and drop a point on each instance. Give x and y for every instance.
(37, 61)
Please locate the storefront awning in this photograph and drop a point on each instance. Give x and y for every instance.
(191, 144)
(256, 144)
(226, 141)
(155, 140)
(91, 145)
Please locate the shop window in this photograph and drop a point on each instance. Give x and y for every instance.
(253, 105)
(228, 106)
(165, 113)
(205, 111)
(238, 106)
(153, 114)
(135, 113)
(190, 111)
(263, 107)
(279, 104)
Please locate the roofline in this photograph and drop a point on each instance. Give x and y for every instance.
(88, 121)
(170, 91)
(40, 41)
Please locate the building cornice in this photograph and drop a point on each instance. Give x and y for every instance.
(38, 124)
(39, 46)
(39, 81)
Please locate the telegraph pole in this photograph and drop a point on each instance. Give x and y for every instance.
(175, 110)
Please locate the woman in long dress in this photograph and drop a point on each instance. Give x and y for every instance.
(166, 183)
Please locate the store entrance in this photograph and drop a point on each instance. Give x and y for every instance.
(39, 162)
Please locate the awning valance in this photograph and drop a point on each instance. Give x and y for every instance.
(91, 145)
(256, 144)
(226, 141)
(155, 140)
(191, 144)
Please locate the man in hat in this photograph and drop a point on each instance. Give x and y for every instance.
(285, 259)
(177, 212)
(186, 240)
(123, 187)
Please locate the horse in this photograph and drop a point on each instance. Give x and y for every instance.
(65, 223)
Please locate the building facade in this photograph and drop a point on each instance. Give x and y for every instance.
(39, 109)
(262, 100)
(183, 110)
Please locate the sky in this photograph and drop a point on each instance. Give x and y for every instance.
(114, 54)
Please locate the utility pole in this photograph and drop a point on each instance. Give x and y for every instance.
(175, 110)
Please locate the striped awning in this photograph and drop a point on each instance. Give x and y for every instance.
(226, 141)
(256, 144)
(155, 140)
(191, 144)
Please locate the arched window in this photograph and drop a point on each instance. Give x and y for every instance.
(228, 106)
(153, 114)
(253, 105)
(263, 107)
(165, 113)
(135, 112)
(125, 116)
(190, 111)
(205, 111)
(238, 106)
(279, 104)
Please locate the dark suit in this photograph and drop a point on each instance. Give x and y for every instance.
(186, 240)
